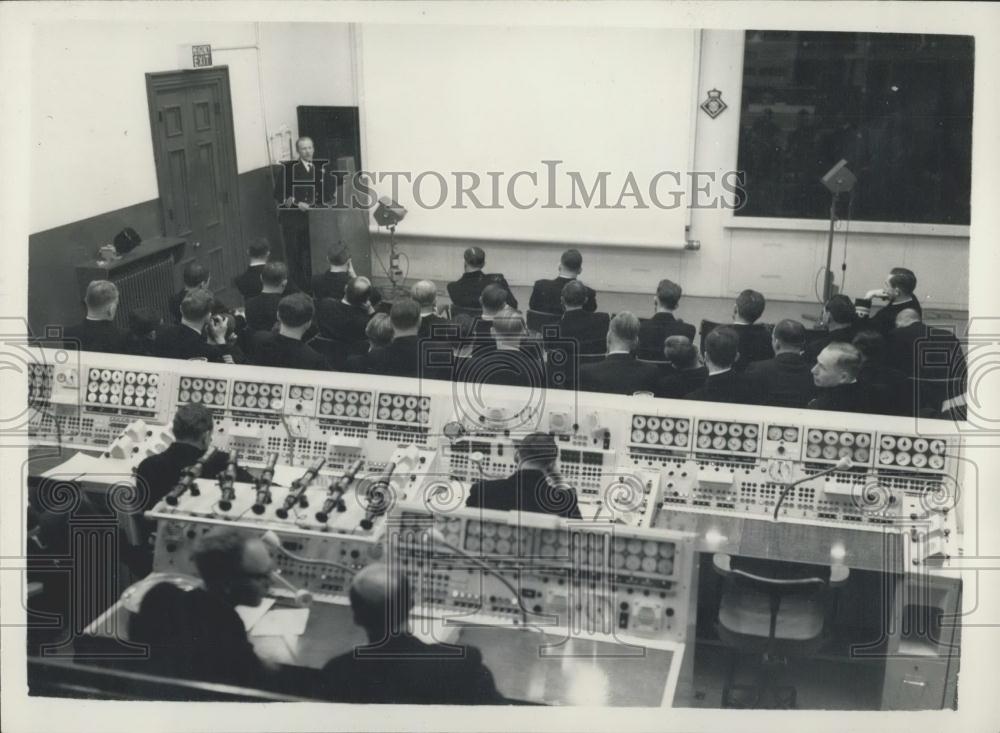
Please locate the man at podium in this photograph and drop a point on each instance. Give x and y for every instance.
(299, 187)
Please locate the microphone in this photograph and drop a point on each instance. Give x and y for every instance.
(302, 597)
(264, 485)
(226, 481)
(842, 464)
(335, 499)
(188, 476)
(297, 495)
(377, 495)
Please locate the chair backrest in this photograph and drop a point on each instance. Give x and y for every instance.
(538, 319)
(456, 310)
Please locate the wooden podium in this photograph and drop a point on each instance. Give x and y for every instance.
(341, 223)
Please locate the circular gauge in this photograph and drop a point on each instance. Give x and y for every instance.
(342, 409)
(885, 457)
(815, 436)
(126, 400)
(919, 460)
(920, 445)
(105, 375)
(638, 422)
(903, 443)
(141, 378)
(733, 444)
(902, 459)
(383, 413)
(411, 402)
(666, 438)
(719, 442)
(153, 380)
(749, 445)
(829, 452)
(398, 400)
(681, 425)
(790, 434)
(937, 447)
(364, 398)
(750, 431)
(117, 376)
(129, 377)
(666, 549)
(653, 423)
(936, 462)
(830, 437)
(705, 428)
(666, 424)
(397, 414)
(326, 407)
(295, 393)
(862, 440)
(633, 562)
(887, 442)
(860, 455)
(774, 433)
(719, 428)
(704, 441)
(665, 567)
(813, 451)
(652, 436)
(638, 436)
(680, 439)
(649, 564)
(736, 430)
(847, 439)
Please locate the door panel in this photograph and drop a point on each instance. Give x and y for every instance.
(196, 168)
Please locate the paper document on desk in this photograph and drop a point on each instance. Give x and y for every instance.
(75, 466)
(282, 622)
(251, 615)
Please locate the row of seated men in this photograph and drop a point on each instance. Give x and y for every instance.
(197, 635)
(491, 344)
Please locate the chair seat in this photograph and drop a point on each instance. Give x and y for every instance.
(747, 613)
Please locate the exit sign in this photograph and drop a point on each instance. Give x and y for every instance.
(201, 56)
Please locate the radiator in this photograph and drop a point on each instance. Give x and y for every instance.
(148, 283)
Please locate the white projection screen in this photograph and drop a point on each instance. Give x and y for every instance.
(459, 98)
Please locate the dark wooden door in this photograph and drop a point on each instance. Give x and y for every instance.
(191, 117)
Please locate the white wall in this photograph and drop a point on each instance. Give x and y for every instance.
(91, 143)
(778, 257)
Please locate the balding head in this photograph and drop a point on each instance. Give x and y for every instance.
(623, 332)
(425, 293)
(907, 317)
(381, 600)
(837, 364)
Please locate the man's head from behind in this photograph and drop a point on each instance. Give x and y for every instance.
(571, 263)
(789, 336)
(196, 275)
(680, 352)
(259, 249)
(493, 299)
(722, 348)
(837, 364)
(537, 451)
(907, 317)
(196, 308)
(475, 259)
(425, 293)
(871, 344)
(295, 314)
(405, 317)
(358, 291)
(193, 425)
(900, 283)
(143, 322)
(274, 277)
(574, 295)
(379, 330)
(338, 256)
(234, 566)
(101, 300)
(623, 333)
(508, 328)
(668, 295)
(381, 600)
(749, 306)
(840, 311)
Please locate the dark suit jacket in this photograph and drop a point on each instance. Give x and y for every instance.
(852, 397)
(755, 343)
(546, 296)
(654, 331)
(181, 342)
(250, 286)
(341, 322)
(161, 472)
(619, 374)
(890, 391)
(522, 368)
(465, 291)
(677, 383)
(526, 491)
(725, 386)
(398, 359)
(784, 381)
(269, 348)
(908, 349)
(100, 336)
(404, 670)
(431, 324)
(195, 634)
(817, 344)
(330, 285)
(177, 298)
(588, 330)
(884, 319)
(302, 193)
(262, 311)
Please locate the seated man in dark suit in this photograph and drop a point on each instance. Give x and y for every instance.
(395, 667)
(588, 330)
(654, 332)
(196, 277)
(911, 341)
(535, 486)
(724, 383)
(620, 372)
(379, 334)
(841, 324)
(683, 373)
(401, 358)
(98, 331)
(492, 302)
(197, 634)
(424, 293)
(262, 310)
(142, 326)
(344, 320)
(754, 340)
(249, 282)
(546, 297)
(465, 291)
(513, 360)
(331, 284)
(786, 380)
(285, 347)
(836, 378)
(200, 334)
(898, 294)
(890, 391)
